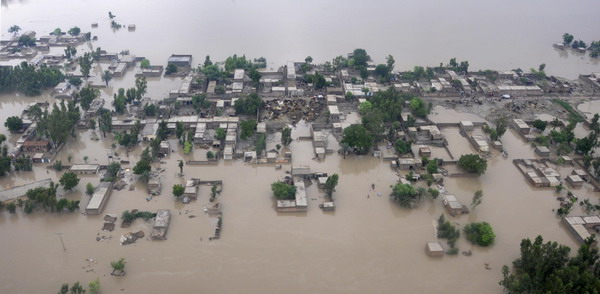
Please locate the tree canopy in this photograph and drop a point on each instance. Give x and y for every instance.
(282, 190)
(13, 123)
(69, 180)
(29, 79)
(357, 137)
(248, 105)
(472, 163)
(481, 233)
(548, 268)
(406, 195)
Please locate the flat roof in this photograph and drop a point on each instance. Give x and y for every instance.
(300, 194)
(99, 195)
(82, 167)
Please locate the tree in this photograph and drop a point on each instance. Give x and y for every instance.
(70, 51)
(145, 63)
(120, 101)
(105, 121)
(472, 163)
(118, 266)
(357, 137)
(548, 268)
(481, 234)
(210, 154)
(75, 81)
(69, 180)
(171, 69)
(282, 190)
(94, 286)
(382, 70)
(150, 109)
(390, 63)
(11, 207)
(432, 166)
(567, 38)
(26, 41)
(540, 124)
(330, 184)
(180, 164)
(178, 190)
(365, 107)
(286, 136)
(248, 127)
(13, 123)
(141, 85)
(255, 76)
(85, 63)
(402, 146)
(89, 189)
(447, 230)
(260, 144)
(405, 194)
(220, 134)
(248, 105)
(107, 76)
(142, 167)
(87, 95)
(207, 61)
(14, 29)
(74, 31)
(76, 289)
(477, 199)
(308, 59)
(179, 129)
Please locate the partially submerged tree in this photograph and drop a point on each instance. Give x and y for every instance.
(69, 180)
(357, 137)
(178, 190)
(330, 184)
(282, 190)
(477, 198)
(472, 163)
(548, 268)
(118, 267)
(480, 233)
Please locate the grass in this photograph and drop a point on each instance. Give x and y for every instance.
(574, 114)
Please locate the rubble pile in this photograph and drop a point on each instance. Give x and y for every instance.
(295, 109)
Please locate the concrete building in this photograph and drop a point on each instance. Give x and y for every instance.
(575, 181)
(165, 149)
(190, 189)
(580, 226)
(452, 204)
(434, 249)
(180, 60)
(161, 225)
(40, 146)
(334, 113)
(520, 125)
(424, 151)
(542, 151)
(467, 125)
(479, 143)
(85, 169)
(99, 198)
(581, 173)
(300, 170)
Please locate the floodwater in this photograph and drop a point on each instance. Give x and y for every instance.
(369, 244)
(490, 34)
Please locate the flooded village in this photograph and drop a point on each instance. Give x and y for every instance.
(127, 173)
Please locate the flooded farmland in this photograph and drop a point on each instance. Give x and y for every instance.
(369, 243)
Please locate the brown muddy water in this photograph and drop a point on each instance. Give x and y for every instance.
(414, 32)
(369, 244)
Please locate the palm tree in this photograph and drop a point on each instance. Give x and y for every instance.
(14, 29)
(106, 76)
